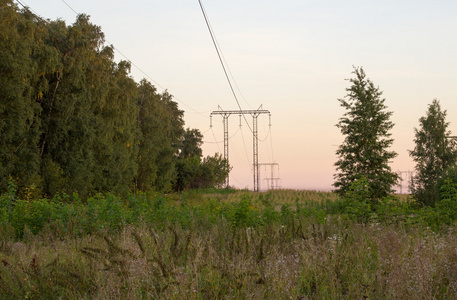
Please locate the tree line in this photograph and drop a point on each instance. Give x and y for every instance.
(364, 155)
(73, 120)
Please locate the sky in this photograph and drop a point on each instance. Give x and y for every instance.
(292, 57)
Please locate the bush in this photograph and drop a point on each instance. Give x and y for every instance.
(357, 201)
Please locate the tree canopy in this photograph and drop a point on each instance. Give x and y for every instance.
(434, 153)
(74, 120)
(364, 152)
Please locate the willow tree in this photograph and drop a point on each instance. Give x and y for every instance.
(364, 152)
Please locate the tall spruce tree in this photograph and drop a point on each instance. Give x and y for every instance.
(433, 154)
(364, 151)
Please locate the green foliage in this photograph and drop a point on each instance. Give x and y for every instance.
(390, 210)
(444, 213)
(364, 151)
(275, 245)
(71, 216)
(19, 110)
(192, 171)
(187, 170)
(154, 143)
(72, 120)
(358, 202)
(190, 143)
(448, 190)
(243, 215)
(213, 171)
(433, 154)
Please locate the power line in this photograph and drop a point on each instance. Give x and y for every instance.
(51, 31)
(254, 131)
(264, 139)
(218, 51)
(244, 144)
(215, 140)
(226, 114)
(139, 69)
(69, 6)
(271, 144)
(218, 142)
(227, 66)
(88, 64)
(272, 179)
(255, 114)
(209, 128)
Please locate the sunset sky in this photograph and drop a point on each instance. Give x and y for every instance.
(290, 56)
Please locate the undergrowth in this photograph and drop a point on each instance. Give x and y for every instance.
(227, 245)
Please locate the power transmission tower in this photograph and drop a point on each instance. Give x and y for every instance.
(271, 179)
(255, 139)
(225, 116)
(405, 175)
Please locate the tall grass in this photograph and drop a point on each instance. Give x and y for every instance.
(223, 245)
(301, 260)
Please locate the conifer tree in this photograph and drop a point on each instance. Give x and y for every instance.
(433, 154)
(364, 152)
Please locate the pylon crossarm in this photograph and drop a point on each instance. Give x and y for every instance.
(255, 113)
(248, 111)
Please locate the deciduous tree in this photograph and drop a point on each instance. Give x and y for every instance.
(364, 152)
(433, 154)
(19, 100)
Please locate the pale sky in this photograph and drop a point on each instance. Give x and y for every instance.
(292, 57)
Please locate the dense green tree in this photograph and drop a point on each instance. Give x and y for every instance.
(188, 159)
(213, 172)
(190, 144)
(117, 161)
(149, 124)
(433, 153)
(364, 152)
(20, 59)
(73, 124)
(73, 120)
(187, 170)
(65, 145)
(160, 123)
(172, 130)
(193, 171)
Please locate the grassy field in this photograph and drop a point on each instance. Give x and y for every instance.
(224, 245)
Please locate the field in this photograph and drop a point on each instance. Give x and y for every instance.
(224, 244)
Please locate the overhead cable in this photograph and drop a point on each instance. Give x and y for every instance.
(139, 69)
(218, 51)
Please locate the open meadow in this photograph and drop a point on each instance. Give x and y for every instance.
(225, 244)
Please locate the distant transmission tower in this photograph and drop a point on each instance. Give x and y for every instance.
(272, 179)
(405, 176)
(255, 139)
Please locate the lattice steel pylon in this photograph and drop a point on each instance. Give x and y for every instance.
(272, 178)
(225, 116)
(255, 139)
